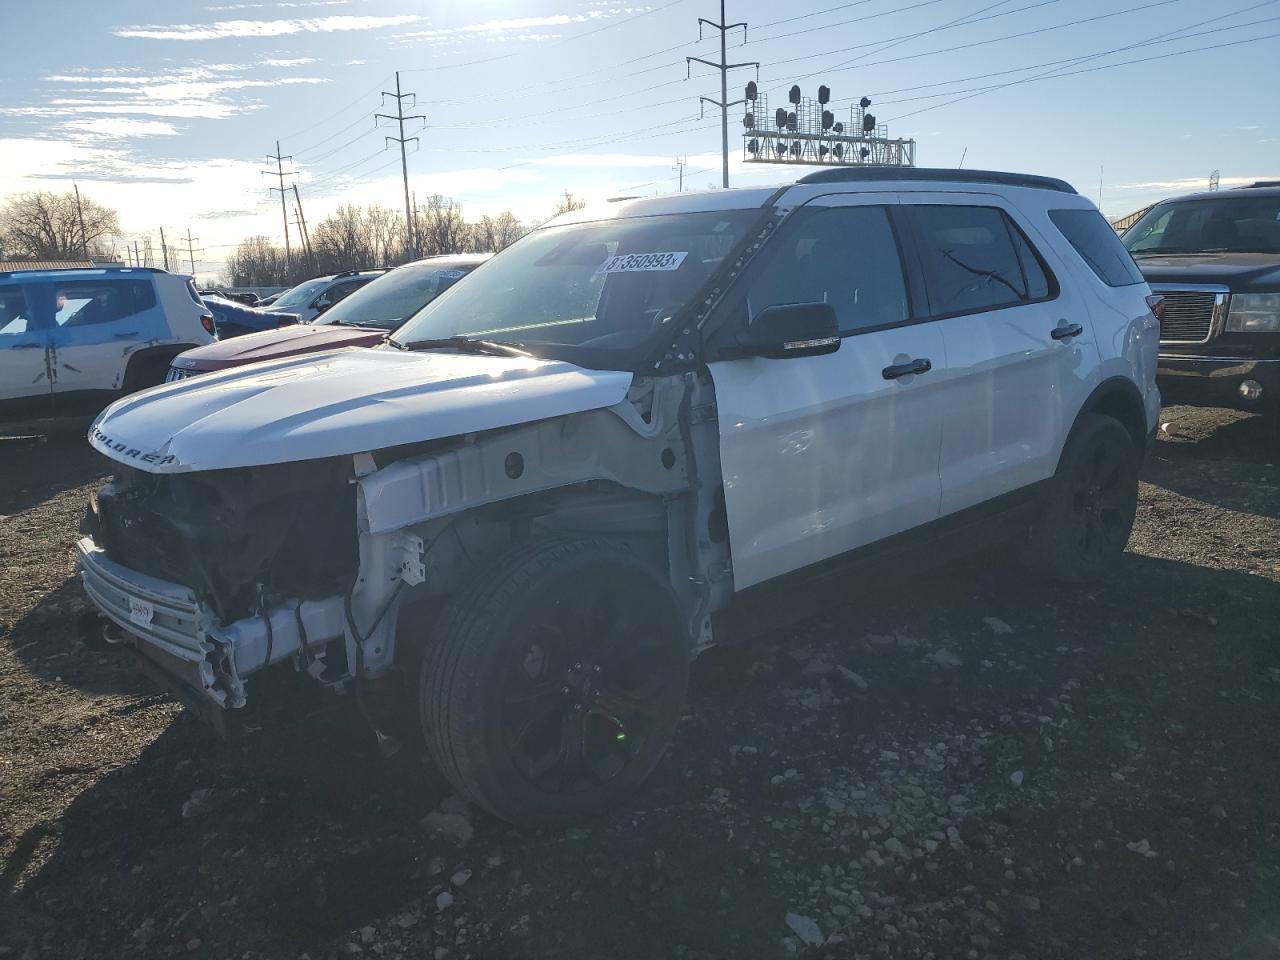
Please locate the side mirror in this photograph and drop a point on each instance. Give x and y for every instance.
(792, 330)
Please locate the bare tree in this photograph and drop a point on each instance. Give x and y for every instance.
(441, 228)
(491, 234)
(258, 262)
(569, 203)
(48, 226)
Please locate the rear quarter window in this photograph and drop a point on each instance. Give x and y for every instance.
(1098, 246)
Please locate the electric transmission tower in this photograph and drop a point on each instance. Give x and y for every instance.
(284, 210)
(400, 117)
(191, 251)
(724, 67)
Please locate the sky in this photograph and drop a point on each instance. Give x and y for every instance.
(168, 109)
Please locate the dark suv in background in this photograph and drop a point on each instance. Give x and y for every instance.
(1215, 258)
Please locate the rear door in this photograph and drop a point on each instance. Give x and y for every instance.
(1019, 344)
(98, 324)
(824, 454)
(25, 390)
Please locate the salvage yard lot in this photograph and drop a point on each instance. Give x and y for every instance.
(956, 765)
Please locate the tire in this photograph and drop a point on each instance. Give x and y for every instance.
(549, 690)
(145, 372)
(1087, 517)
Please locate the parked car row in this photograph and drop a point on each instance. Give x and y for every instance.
(642, 429)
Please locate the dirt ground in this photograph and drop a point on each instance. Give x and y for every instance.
(961, 764)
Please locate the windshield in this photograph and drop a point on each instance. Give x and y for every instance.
(1219, 225)
(387, 301)
(606, 286)
(301, 295)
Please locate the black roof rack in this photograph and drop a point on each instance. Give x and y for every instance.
(930, 175)
(1261, 183)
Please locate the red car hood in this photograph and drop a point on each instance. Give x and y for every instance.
(273, 344)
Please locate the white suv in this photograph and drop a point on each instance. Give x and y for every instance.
(635, 428)
(71, 341)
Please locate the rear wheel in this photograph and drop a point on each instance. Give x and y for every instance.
(550, 690)
(1089, 513)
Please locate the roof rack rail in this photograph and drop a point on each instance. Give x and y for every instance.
(932, 175)
(105, 269)
(1261, 183)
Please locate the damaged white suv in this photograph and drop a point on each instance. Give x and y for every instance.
(588, 461)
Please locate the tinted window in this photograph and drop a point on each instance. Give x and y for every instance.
(1098, 246)
(975, 259)
(80, 303)
(15, 314)
(844, 256)
(1225, 224)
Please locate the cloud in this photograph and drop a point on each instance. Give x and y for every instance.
(356, 63)
(120, 128)
(291, 62)
(224, 29)
(493, 29)
(1252, 126)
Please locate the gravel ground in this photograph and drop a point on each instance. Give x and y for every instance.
(959, 765)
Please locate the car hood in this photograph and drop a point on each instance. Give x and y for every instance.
(272, 344)
(340, 403)
(1240, 272)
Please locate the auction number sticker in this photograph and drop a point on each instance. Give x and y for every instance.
(643, 262)
(141, 612)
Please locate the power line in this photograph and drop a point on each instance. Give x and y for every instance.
(400, 118)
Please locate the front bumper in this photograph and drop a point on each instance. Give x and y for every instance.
(180, 637)
(1220, 382)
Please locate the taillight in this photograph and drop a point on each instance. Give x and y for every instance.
(206, 321)
(1156, 303)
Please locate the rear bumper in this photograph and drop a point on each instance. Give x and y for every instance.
(181, 639)
(1220, 382)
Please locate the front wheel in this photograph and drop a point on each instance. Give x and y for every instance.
(1086, 520)
(550, 689)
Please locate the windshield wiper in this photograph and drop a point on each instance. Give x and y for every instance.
(493, 348)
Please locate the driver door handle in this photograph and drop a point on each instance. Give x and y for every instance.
(919, 365)
(127, 333)
(1063, 333)
(24, 346)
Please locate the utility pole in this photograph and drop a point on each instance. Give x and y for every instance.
(400, 118)
(84, 239)
(137, 257)
(284, 212)
(681, 163)
(724, 67)
(302, 226)
(164, 249)
(191, 251)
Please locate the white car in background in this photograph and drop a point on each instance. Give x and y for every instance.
(71, 341)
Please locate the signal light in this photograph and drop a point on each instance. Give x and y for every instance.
(864, 102)
(864, 152)
(780, 117)
(752, 91)
(780, 147)
(838, 150)
(824, 95)
(839, 127)
(828, 118)
(792, 123)
(749, 121)
(794, 94)
(822, 150)
(796, 148)
(868, 123)
(753, 146)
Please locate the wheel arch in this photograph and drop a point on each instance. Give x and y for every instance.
(146, 359)
(1120, 399)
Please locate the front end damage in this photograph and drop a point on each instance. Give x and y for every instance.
(217, 575)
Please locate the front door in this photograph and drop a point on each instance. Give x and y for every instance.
(1015, 339)
(24, 356)
(824, 454)
(98, 324)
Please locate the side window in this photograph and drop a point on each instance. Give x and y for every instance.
(15, 313)
(844, 256)
(975, 259)
(81, 303)
(1098, 246)
(340, 291)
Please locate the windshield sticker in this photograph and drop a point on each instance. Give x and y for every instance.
(643, 262)
(452, 274)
